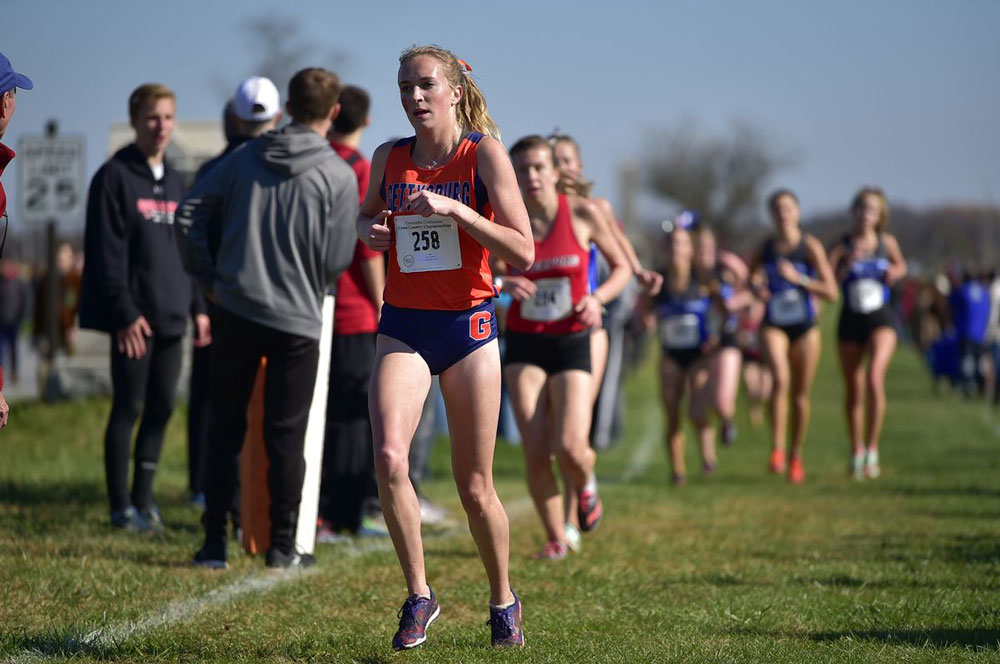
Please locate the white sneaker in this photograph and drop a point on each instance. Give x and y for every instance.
(872, 469)
(431, 514)
(573, 538)
(857, 468)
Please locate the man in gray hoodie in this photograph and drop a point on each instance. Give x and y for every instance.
(284, 206)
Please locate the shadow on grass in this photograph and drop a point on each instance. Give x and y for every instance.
(973, 549)
(941, 637)
(983, 638)
(960, 514)
(72, 645)
(34, 494)
(944, 491)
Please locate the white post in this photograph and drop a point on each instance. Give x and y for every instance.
(305, 535)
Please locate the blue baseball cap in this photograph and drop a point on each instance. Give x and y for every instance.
(10, 79)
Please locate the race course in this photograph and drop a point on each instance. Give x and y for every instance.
(738, 566)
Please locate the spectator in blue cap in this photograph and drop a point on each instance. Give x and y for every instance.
(10, 81)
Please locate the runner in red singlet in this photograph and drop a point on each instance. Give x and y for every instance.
(548, 359)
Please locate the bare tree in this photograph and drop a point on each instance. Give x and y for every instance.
(722, 177)
(277, 49)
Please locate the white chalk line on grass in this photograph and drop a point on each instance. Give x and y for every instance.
(642, 457)
(183, 610)
(117, 633)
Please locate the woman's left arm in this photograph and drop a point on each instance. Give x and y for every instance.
(897, 264)
(509, 239)
(825, 285)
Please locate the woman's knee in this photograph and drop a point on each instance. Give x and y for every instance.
(802, 402)
(476, 493)
(876, 386)
(780, 384)
(392, 462)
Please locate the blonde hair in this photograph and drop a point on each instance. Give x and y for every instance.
(883, 217)
(568, 185)
(147, 93)
(471, 110)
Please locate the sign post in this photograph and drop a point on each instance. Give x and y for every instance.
(51, 187)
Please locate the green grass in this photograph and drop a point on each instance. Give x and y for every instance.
(737, 567)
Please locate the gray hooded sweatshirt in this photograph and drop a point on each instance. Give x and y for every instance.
(268, 230)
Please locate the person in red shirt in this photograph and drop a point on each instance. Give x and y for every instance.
(348, 483)
(10, 81)
(441, 202)
(548, 360)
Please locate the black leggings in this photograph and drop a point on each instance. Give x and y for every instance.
(145, 386)
(348, 463)
(238, 344)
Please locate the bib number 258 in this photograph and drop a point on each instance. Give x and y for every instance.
(424, 240)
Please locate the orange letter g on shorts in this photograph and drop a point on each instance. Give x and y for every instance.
(479, 325)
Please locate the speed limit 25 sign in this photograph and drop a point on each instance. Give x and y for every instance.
(51, 178)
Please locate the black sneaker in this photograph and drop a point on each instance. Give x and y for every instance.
(589, 509)
(152, 522)
(276, 558)
(128, 519)
(212, 555)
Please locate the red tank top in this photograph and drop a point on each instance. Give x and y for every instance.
(434, 264)
(560, 273)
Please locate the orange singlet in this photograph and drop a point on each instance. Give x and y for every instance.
(434, 264)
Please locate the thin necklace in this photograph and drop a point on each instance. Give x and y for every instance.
(435, 162)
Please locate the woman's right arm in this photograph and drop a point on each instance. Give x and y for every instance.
(371, 226)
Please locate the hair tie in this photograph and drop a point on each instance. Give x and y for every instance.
(464, 64)
(687, 219)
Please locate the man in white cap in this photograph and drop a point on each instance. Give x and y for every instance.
(253, 110)
(286, 205)
(10, 81)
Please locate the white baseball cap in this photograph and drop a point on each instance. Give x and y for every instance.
(256, 99)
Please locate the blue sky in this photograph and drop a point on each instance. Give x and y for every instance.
(902, 94)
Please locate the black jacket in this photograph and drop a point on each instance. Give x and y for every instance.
(131, 263)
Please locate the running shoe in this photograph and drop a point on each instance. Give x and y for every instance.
(211, 555)
(872, 468)
(373, 526)
(431, 514)
(128, 519)
(728, 433)
(796, 471)
(326, 535)
(278, 559)
(857, 467)
(152, 522)
(677, 479)
(708, 467)
(590, 510)
(777, 461)
(415, 616)
(505, 625)
(552, 550)
(573, 538)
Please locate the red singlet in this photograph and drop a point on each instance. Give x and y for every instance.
(436, 265)
(560, 272)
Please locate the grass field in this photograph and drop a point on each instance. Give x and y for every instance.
(737, 567)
